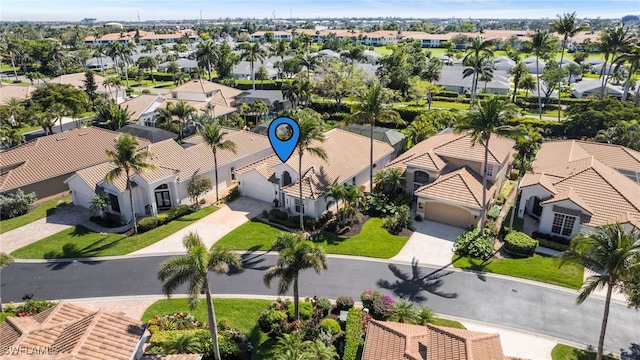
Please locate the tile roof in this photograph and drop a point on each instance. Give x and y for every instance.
(15, 91)
(140, 105)
(452, 145)
(575, 168)
(345, 158)
(462, 186)
(77, 80)
(75, 333)
(55, 155)
(397, 341)
(173, 357)
(203, 86)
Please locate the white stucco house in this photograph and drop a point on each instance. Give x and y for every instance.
(577, 186)
(271, 180)
(166, 186)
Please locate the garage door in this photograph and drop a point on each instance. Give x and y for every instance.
(261, 191)
(82, 198)
(447, 214)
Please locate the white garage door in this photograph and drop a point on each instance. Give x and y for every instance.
(83, 198)
(447, 214)
(257, 191)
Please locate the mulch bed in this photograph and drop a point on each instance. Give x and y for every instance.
(356, 228)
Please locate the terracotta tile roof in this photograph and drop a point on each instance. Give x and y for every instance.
(77, 80)
(139, 104)
(462, 186)
(396, 341)
(431, 153)
(173, 357)
(576, 168)
(542, 179)
(15, 91)
(219, 109)
(75, 333)
(203, 86)
(55, 155)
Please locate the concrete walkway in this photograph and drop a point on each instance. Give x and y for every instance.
(210, 228)
(431, 243)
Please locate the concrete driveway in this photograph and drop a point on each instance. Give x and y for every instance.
(430, 244)
(210, 228)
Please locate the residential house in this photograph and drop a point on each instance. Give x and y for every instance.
(77, 80)
(444, 174)
(68, 331)
(394, 138)
(165, 187)
(141, 37)
(399, 341)
(277, 35)
(593, 87)
(186, 65)
(271, 180)
(577, 186)
(42, 164)
(153, 135)
(22, 93)
(143, 108)
(451, 79)
(272, 98)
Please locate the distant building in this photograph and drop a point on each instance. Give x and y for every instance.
(88, 21)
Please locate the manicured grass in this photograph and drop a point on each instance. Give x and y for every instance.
(242, 314)
(38, 213)
(252, 235)
(79, 241)
(538, 268)
(373, 241)
(446, 322)
(566, 352)
(449, 105)
(29, 128)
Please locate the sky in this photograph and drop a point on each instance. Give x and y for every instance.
(127, 10)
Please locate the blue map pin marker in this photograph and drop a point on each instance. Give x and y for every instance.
(284, 134)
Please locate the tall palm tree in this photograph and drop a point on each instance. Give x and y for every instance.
(207, 54)
(98, 52)
(193, 268)
(336, 192)
(15, 108)
(57, 55)
(292, 346)
(478, 51)
(295, 254)
(126, 158)
(612, 253)
(432, 73)
(113, 51)
(633, 58)
(373, 106)
(148, 63)
(541, 44)
(5, 260)
(213, 135)
(252, 52)
(518, 72)
(488, 118)
(613, 40)
(527, 146)
(182, 111)
(567, 26)
(311, 127)
(59, 111)
(280, 49)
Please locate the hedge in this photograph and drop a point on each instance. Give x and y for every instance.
(304, 307)
(553, 238)
(520, 243)
(354, 335)
(553, 245)
(153, 222)
(163, 338)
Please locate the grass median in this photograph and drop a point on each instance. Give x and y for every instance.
(41, 211)
(373, 241)
(538, 268)
(78, 241)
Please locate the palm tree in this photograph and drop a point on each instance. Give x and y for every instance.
(612, 253)
(633, 58)
(193, 268)
(281, 49)
(207, 54)
(567, 26)
(421, 128)
(336, 192)
(252, 52)
(213, 136)
(59, 111)
(373, 106)
(149, 63)
(5, 260)
(262, 74)
(518, 72)
(613, 40)
(113, 116)
(478, 51)
(527, 83)
(57, 55)
(489, 118)
(182, 111)
(295, 254)
(292, 346)
(432, 74)
(311, 127)
(404, 311)
(541, 44)
(527, 146)
(126, 158)
(113, 51)
(99, 52)
(15, 108)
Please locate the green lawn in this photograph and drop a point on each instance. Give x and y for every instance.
(373, 241)
(29, 128)
(539, 268)
(79, 241)
(38, 213)
(566, 352)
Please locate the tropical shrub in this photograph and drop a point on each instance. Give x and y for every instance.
(16, 204)
(273, 322)
(380, 306)
(305, 307)
(147, 224)
(344, 302)
(472, 243)
(354, 335)
(399, 220)
(493, 213)
(520, 243)
(330, 325)
(178, 211)
(324, 305)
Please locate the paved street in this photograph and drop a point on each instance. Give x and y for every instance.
(499, 300)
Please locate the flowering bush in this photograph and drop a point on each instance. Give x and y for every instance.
(379, 306)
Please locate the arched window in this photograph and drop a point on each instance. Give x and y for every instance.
(420, 177)
(286, 178)
(163, 197)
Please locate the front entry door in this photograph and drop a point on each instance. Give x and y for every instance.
(163, 200)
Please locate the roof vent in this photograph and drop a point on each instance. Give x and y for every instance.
(61, 138)
(83, 133)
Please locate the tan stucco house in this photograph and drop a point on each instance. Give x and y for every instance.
(444, 171)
